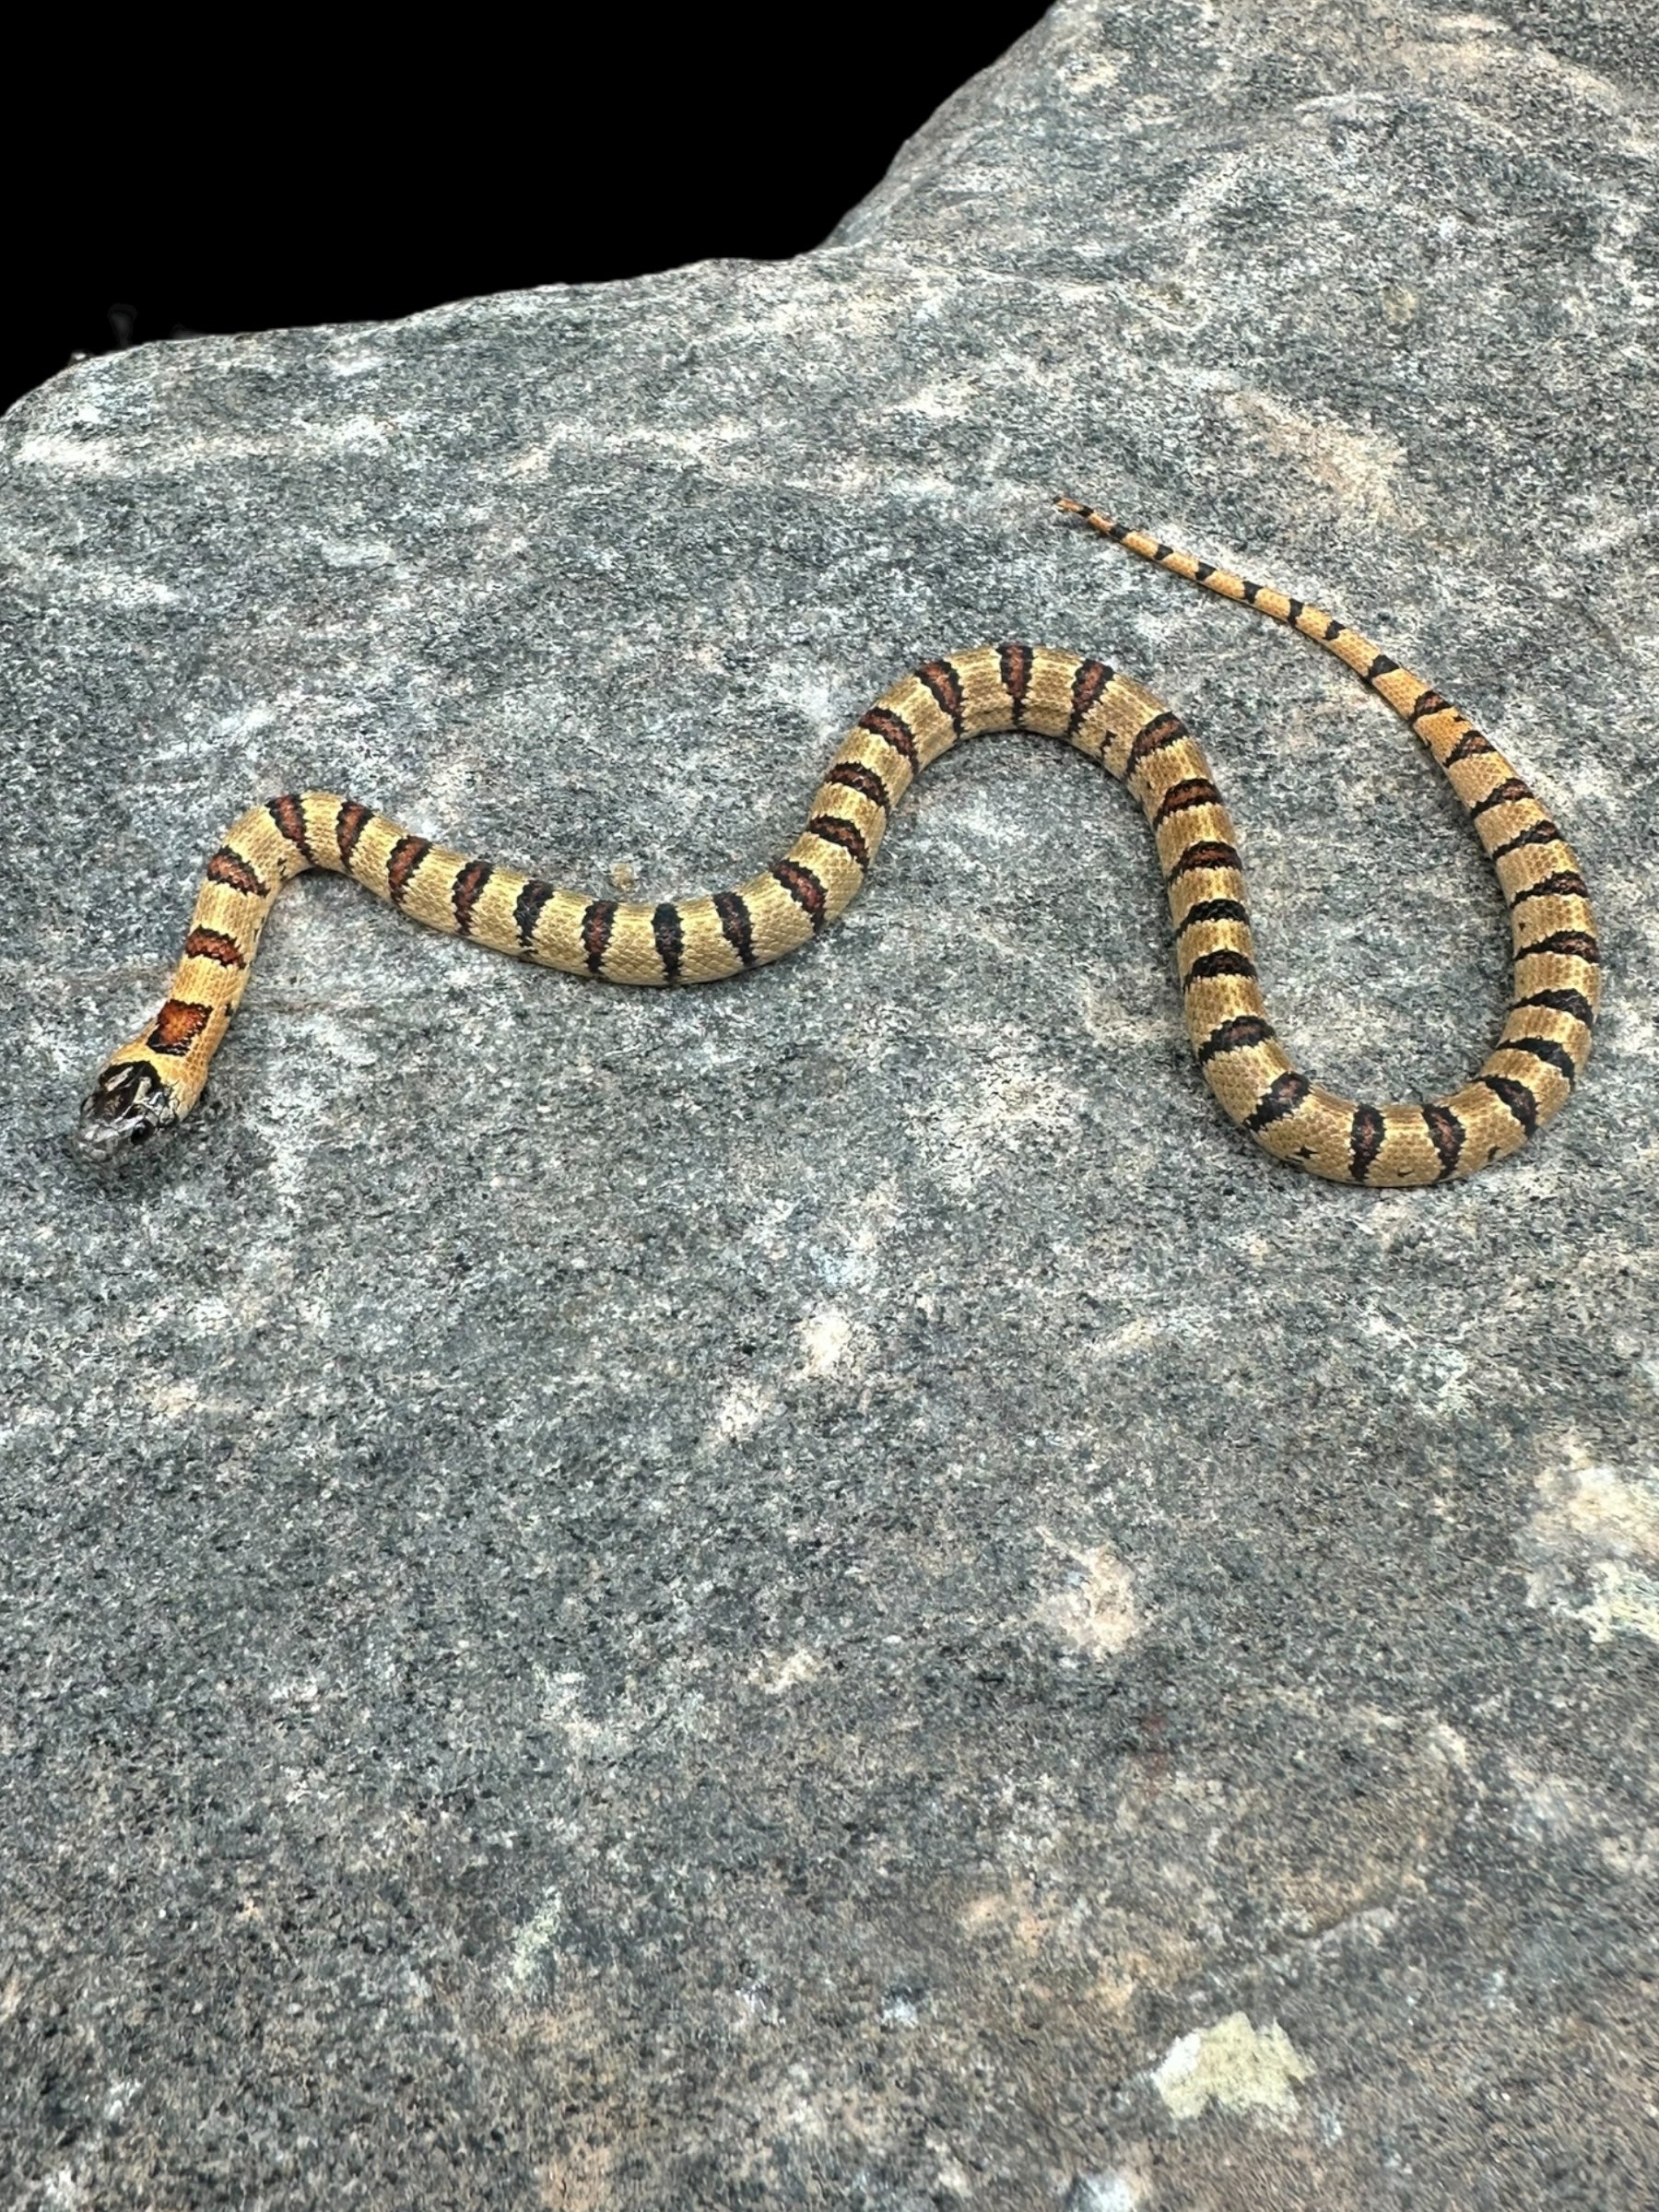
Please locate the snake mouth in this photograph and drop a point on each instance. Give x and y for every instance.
(127, 1107)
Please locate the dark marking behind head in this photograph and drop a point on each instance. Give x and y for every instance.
(178, 1025)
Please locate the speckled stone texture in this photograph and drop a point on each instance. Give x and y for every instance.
(829, 1591)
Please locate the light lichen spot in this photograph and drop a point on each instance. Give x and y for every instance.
(1233, 2066)
(539, 1935)
(744, 1405)
(787, 1674)
(1592, 1546)
(824, 1338)
(1622, 1597)
(1103, 2193)
(1093, 1610)
(1007, 1104)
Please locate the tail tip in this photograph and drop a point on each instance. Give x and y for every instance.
(1091, 515)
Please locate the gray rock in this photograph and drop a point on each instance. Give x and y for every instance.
(797, 1593)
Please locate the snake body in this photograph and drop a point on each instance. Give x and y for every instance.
(155, 1079)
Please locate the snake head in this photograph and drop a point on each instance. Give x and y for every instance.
(127, 1106)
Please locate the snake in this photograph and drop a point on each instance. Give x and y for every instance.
(149, 1084)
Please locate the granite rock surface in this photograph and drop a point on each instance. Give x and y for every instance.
(830, 1591)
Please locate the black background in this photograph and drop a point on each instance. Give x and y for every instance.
(251, 175)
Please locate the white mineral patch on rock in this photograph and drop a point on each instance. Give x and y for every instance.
(825, 1337)
(1008, 1105)
(1103, 2193)
(785, 1673)
(1622, 1597)
(1093, 1610)
(1593, 1542)
(1234, 2067)
(744, 1405)
(1362, 468)
(533, 1941)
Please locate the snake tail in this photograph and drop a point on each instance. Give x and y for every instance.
(152, 1082)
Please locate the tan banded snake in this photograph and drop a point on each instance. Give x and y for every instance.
(152, 1081)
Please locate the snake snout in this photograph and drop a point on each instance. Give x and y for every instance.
(127, 1106)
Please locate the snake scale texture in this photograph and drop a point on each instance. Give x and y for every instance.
(153, 1082)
